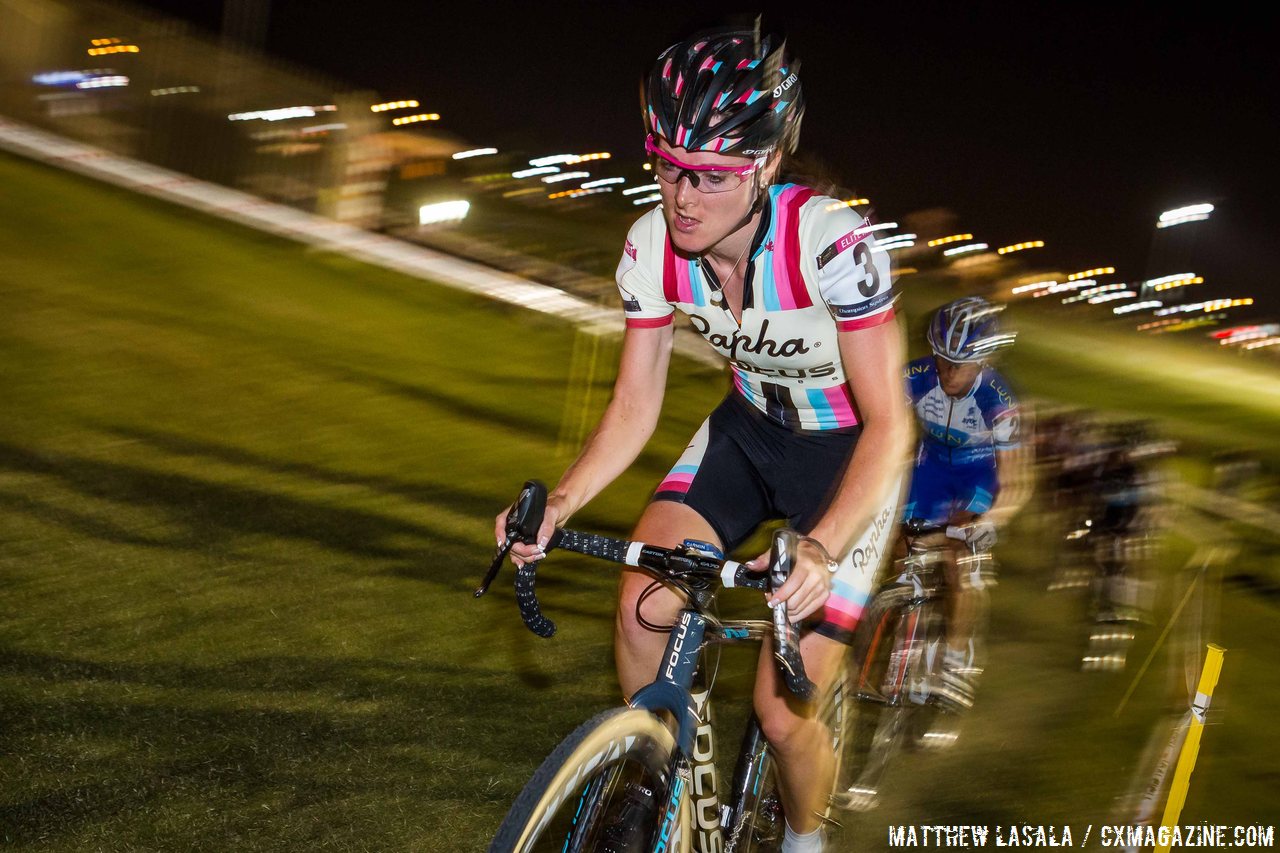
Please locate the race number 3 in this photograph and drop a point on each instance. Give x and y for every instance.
(869, 276)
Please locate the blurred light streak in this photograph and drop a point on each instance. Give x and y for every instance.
(1265, 342)
(880, 226)
(393, 105)
(67, 78)
(1102, 288)
(1019, 247)
(525, 191)
(1179, 325)
(474, 152)
(646, 188)
(115, 48)
(1210, 305)
(101, 42)
(443, 211)
(960, 250)
(103, 82)
(175, 90)
(849, 202)
(552, 160)
(540, 170)
(1112, 297)
(325, 128)
(1023, 288)
(416, 118)
(1190, 213)
(1137, 306)
(649, 199)
(1090, 273)
(578, 193)
(954, 238)
(282, 113)
(567, 176)
(582, 158)
(1172, 281)
(603, 182)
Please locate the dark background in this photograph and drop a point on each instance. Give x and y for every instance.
(1072, 123)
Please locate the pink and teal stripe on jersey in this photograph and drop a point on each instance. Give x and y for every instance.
(782, 284)
(682, 279)
(832, 407)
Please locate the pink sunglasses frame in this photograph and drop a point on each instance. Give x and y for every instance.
(651, 147)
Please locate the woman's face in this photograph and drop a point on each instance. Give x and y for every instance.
(697, 220)
(956, 378)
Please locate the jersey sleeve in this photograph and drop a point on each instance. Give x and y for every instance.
(854, 276)
(1000, 408)
(639, 275)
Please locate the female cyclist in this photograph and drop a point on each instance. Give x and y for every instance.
(788, 286)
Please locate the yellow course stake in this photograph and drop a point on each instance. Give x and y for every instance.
(1190, 747)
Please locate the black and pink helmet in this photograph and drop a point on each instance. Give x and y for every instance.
(727, 91)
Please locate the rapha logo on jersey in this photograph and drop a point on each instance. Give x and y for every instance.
(738, 341)
(785, 85)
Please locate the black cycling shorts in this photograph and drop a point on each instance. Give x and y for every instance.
(742, 469)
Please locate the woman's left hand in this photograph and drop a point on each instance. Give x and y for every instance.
(809, 585)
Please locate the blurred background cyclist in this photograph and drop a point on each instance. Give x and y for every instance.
(971, 473)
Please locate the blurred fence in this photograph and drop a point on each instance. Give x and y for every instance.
(150, 88)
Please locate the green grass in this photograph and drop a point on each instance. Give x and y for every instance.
(245, 492)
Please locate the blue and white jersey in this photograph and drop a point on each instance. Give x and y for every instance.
(967, 430)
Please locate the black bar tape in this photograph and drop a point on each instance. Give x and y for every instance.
(604, 547)
(527, 600)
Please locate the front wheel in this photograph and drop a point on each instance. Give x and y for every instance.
(597, 791)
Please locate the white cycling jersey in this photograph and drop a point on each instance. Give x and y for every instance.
(814, 271)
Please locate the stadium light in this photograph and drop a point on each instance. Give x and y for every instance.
(567, 176)
(961, 250)
(443, 211)
(414, 119)
(1181, 215)
(537, 170)
(282, 113)
(849, 202)
(1020, 247)
(1090, 273)
(393, 105)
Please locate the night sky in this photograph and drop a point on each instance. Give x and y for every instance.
(1072, 123)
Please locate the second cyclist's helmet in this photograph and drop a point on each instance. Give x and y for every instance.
(728, 91)
(967, 330)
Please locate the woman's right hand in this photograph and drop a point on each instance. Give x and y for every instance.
(556, 514)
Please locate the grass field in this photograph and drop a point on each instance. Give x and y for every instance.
(246, 489)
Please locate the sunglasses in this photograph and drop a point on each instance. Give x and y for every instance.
(705, 179)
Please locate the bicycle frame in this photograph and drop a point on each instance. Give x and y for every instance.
(678, 690)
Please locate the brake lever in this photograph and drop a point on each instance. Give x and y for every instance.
(499, 556)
